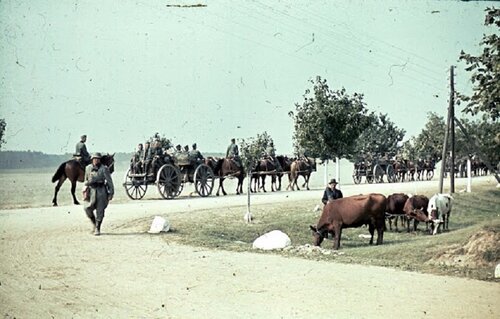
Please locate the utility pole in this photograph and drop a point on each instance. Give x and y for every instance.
(449, 125)
(452, 130)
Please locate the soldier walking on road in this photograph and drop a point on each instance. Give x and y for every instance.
(98, 191)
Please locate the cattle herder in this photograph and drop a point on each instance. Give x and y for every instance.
(98, 191)
(331, 192)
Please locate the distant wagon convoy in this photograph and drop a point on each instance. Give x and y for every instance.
(74, 171)
(374, 168)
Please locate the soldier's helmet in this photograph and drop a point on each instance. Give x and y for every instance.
(194, 145)
(233, 140)
(83, 137)
(186, 147)
(178, 147)
(96, 155)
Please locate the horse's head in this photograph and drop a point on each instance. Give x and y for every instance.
(109, 161)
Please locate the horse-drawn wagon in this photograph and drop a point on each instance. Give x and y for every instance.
(169, 175)
(374, 170)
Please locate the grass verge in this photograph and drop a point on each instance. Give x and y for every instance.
(472, 213)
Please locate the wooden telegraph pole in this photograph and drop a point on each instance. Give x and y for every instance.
(452, 130)
(450, 126)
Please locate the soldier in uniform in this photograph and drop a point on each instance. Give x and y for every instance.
(81, 151)
(157, 156)
(148, 157)
(271, 154)
(233, 152)
(98, 191)
(195, 155)
(136, 161)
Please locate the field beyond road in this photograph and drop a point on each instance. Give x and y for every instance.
(53, 267)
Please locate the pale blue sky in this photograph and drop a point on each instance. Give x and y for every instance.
(120, 71)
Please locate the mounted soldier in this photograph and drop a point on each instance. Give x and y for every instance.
(233, 152)
(81, 154)
(271, 154)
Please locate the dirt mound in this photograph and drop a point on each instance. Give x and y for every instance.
(480, 250)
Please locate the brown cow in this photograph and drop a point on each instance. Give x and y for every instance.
(416, 208)
(354, 211)
(395, 205)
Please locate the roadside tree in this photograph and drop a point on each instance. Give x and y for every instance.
(485, 69)
(328, 122)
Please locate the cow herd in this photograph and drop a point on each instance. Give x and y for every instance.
(374, 209)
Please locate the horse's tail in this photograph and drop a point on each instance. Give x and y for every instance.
(59, 173)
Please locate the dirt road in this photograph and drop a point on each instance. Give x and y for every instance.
(52, 267)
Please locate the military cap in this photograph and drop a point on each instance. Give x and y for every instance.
(96, 155)
(194, 145)
(83, 136)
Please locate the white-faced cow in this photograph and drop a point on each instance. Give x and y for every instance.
(354, 211)
(416, 208)
(439, 210)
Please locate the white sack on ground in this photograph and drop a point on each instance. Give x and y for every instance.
(158, 225)
(272, 240)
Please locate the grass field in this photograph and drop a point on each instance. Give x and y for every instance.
(474, 214)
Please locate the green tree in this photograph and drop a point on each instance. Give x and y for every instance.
(429, 143)
(251, 151)
(382, 136)
(328, 122)
(3, 124)
(485, 70)
(483, 131)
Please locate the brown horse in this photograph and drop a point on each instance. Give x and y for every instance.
(285, 163)
(301, 167)
(263, 168)
(226, 167)
(73, 171)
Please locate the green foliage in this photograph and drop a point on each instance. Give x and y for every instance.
(251, 150)
(328, 122)
(382, 136)
(486, 72)
(483, 134)
(164, 142)
(3, 124)
(429, 143)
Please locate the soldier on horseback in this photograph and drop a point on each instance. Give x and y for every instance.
(271, 154)
(81, 153)
(233, 152)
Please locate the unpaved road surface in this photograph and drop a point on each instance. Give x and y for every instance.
(52, 267)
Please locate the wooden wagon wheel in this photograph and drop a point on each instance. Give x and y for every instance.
(391, 174)
(204, 180)
(169, 181)
(378, 173)
(134, 187)
(356, 176)
(430, 175)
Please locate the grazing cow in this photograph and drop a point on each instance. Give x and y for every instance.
(416, 208)
(395, 205)
(354, 211)
(439, 210)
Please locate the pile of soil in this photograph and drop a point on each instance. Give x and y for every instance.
(480, 250)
